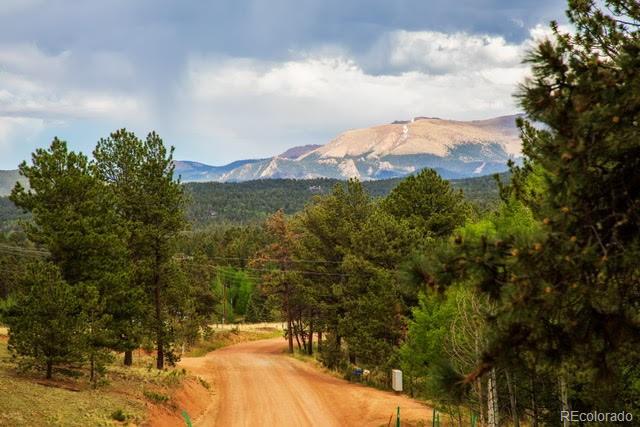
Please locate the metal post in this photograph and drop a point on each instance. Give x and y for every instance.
(187, 420)
(398, 418)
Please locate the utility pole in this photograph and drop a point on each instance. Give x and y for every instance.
(224, 302)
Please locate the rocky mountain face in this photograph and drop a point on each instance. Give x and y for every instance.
(456, 149)
(8, 179)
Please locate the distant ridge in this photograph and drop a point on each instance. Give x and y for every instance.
(455, 149)
(295, 152)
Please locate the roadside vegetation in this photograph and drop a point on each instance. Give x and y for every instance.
(70, 399)
(217, 338)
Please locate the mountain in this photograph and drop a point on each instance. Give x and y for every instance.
(8, 179)
(199, 172)
(456, 149)
(295, 152)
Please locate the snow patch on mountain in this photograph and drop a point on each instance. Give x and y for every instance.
(480, 168)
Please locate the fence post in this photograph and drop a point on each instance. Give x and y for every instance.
(187, 419)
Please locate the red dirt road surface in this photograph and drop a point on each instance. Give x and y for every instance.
(257, 384)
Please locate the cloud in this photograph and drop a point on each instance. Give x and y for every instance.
(260, 105)
(219, 107)
(65, 87)
(441, 53)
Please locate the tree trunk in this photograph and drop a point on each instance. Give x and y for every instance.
(534, 403)
(298, 338)
(310, 350)
(481, 401)
(289, 320)
(512, 399)
(92, 370)
(128, 358)
(158, 306)
(492, 400)
(564, 397)
(319, 340)
(49, 369)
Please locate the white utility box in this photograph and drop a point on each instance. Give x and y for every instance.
(396, 379)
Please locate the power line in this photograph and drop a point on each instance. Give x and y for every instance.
(23, 249)
(15, 252)
(274, 270)
(303, 261)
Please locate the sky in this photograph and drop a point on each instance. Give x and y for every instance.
(227, 80)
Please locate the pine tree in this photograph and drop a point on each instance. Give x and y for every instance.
(151, 202)
(428, 203)
(568, 289)
(277, 259)
(74, 218)
(44, 319)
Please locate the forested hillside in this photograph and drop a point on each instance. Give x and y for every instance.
(252, 201)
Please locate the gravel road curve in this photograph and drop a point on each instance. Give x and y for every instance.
(257, 384)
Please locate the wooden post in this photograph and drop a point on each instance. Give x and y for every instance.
(224, 302)
(492, 400)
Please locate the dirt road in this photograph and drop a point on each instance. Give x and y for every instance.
(256, 384)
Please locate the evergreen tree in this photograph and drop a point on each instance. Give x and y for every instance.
(277, 259)
(329, 224)
(152, 203)
(428, 203)
(43, 319)
(567, 290)
(586, 90)
(74, 218)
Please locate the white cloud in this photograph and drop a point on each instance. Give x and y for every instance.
(263, 106)
(312, 98)
(440, 53)
(36, 84)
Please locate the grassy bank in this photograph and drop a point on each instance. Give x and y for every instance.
(123, 397)
(29, 400)
(232, 334)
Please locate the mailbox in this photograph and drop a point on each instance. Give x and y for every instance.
(396, 379)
